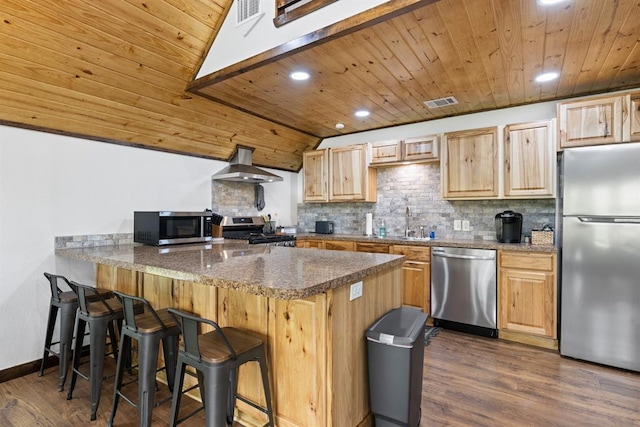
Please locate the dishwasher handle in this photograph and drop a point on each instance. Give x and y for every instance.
(472, 257)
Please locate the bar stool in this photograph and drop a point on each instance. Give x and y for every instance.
(149, 329)
(66, 302)
(216, 356)
(100, 314)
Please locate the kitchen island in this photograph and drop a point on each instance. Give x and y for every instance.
(297, 299)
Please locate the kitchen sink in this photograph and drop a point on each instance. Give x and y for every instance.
(407, 238)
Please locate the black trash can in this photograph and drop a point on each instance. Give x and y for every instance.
(395, 347)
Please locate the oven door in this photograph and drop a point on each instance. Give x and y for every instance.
(183, 227)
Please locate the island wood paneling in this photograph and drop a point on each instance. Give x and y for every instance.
(316, 346)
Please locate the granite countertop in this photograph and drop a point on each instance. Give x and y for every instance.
(270, 271)
(456, 243)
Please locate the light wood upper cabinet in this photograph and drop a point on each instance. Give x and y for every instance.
(316, 176)
(469, 165)
(395, 151)
(421, 148)
(351, 178)
(602, 120)
(386, 151)
(527, 301)
(635, 117)
(339, 175)
(529, 160)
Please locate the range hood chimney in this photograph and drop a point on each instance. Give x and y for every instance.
(240, 169)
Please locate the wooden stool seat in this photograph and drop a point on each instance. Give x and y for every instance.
(214, 350)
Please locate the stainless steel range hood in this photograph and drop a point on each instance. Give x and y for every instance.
(240, 169)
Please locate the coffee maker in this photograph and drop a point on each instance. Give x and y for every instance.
(508, 227)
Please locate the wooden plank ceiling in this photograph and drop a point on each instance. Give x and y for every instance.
(117, 70)
(485, 53)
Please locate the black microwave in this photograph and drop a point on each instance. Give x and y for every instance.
(168, 228)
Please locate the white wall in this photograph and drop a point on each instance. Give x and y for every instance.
(236, 43)
(52, 185)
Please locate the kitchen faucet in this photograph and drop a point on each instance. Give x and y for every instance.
(406, 228)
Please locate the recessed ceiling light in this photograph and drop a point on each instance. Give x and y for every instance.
(546, 77)
(299, 75)
(339, 125)
(549, 2)
(362, 113)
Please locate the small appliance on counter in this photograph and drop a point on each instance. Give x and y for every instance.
(508, 227)
(168, 227)
(324, 227)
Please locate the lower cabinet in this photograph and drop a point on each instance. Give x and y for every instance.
(527, 298)
(417, 276)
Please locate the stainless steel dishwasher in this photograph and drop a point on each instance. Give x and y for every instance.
(463, 289)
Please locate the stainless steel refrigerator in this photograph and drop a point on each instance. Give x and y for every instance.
(600, 251)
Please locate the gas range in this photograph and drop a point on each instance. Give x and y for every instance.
(250, 229)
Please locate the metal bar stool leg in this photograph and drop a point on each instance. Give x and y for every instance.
(125, 348)
(97, 338)
(67, 321)
(264, 372)
(147, 363)
(77, 351)
(53, 314)
(177, 392)
(216, 395)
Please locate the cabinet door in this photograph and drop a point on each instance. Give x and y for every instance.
(469, 165)
(417, 275)
(316, 171)
(351, 177)
(593, 121)
(416, 290)
(337, 245)
(526, 302)
(635, 117)
(529, 160)
(386, 151)
(422, 148)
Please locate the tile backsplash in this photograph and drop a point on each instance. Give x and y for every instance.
(417, 186)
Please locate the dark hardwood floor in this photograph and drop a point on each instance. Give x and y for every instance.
(468, 381)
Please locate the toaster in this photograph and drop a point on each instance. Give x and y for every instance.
(324, 227)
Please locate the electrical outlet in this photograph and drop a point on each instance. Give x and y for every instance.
(465, 225)
(457, 225)
(355, 291)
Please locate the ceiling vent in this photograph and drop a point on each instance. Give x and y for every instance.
(247, 10)
(442, 102)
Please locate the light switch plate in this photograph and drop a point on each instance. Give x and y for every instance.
(355, 291)
(465, 225)
(457, 225)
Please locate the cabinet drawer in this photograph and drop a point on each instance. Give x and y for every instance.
(339, 245)
(413, 253)
(376, 248)
(527, 261)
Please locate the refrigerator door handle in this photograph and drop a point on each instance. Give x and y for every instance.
(610, 219)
